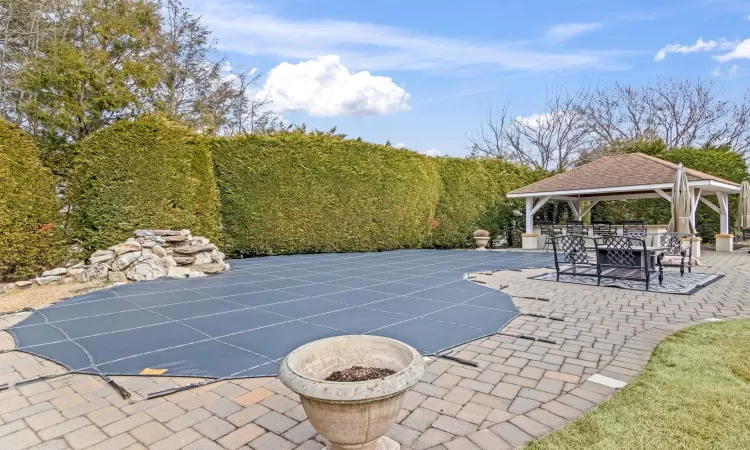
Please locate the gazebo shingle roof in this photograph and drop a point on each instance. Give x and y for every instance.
(632, 169)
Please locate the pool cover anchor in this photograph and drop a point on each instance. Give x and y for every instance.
(13, 384)
(543, 316)
(457, 359)
(541, 299)
(180, 389)
(529, 337)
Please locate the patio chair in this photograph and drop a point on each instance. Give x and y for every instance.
(623, 258)
(549, 230)
(603, 228)
(571, 257)
(576, 227)
(675, 255)
(632, 226)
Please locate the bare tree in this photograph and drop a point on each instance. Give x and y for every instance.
(551, 140)
(683, 113)
(194, 88)
(249, 109)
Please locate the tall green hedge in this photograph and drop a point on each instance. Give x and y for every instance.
(148, 173)
(30, 232)
(721, 162)
(295, 193)
(473, 196)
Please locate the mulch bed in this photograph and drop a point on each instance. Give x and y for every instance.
(357, 373)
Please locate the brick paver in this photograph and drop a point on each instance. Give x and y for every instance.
(520, 391)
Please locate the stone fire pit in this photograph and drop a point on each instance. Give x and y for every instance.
(352, 415)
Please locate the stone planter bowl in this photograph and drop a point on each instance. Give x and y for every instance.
(352, 415)
(481, 242)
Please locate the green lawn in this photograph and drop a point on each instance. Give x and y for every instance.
(694, 394)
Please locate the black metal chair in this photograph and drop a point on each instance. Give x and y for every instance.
(629, 226)
(675, 255)
(576, 227)
(549, 230)
(623, 258)
(603, 228)
(571, 257)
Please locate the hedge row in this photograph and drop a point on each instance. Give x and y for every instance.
(286, 193)
(473, 196)
(30, 232)
(721, 162)
(148, 173)
(293, 193)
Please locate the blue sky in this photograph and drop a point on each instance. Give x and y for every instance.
(425, 73)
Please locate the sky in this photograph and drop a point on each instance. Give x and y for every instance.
(424, 74)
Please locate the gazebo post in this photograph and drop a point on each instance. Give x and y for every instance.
(575, 206)
(529, 239)
(725, 239)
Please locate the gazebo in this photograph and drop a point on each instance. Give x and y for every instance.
(624, 177)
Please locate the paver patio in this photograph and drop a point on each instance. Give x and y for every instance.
(522, 390)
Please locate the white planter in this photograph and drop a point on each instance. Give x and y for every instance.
(352, 415)
(481, 242)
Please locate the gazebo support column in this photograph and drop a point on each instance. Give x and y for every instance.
(725, 239)
(529, 239)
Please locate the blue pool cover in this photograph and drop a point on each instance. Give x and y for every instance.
(243, 322)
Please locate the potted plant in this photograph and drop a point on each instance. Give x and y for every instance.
(353, 414)
(481, 238)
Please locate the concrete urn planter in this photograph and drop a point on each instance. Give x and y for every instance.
(481, 242)
(481, 239)
(352, 415)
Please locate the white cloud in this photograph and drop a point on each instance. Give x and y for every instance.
(252, 71)
(248, 30)
(733, 70)
(566, 31)
(716, 72)
(534, 120)
(325, 87)
(400, 145)
(740, 51)
(699, 46)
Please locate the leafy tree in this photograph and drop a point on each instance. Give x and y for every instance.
(97, 68)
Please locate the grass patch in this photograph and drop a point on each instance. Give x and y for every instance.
(693, 394)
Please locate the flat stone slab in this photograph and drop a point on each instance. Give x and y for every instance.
(607, 381)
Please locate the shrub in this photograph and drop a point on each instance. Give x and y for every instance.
(473, 195)
(295, 193)
(148, 173)
(30, 232)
